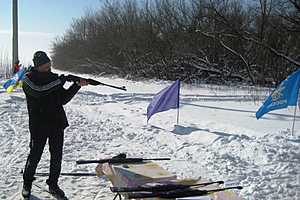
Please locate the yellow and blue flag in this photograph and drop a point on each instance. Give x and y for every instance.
(286, 94)
(15, 81)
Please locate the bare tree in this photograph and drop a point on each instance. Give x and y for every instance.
(216, 41)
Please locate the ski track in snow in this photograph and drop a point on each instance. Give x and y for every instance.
(102, 125)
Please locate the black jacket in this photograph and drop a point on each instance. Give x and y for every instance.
(45, 99)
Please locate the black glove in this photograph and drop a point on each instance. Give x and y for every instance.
(63, 79)
(73, 78)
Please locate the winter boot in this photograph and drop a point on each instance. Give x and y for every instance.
(56, 191)
(26, 191)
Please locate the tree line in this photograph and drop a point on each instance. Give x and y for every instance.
(215, 41)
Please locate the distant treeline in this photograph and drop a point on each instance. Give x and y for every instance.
(214, 41)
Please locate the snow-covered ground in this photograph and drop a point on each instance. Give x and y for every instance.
(218, 138)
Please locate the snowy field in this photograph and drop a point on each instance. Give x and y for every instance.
(217, 138)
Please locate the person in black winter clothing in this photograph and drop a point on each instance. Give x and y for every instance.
(45, 97)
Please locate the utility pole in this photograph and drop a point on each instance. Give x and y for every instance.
(15, 56)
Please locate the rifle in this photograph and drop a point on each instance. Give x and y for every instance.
(90, 81)
(80, 174)
(161, 187)
(118, 160)
(178, 193)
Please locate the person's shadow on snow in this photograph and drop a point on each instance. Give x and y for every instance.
(32, 197)
(182, 130)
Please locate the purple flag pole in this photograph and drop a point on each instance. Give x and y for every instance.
(177, 115)
(178, 103)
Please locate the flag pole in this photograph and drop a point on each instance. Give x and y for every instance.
(177, 115)
(178, 103)
(294, 120)
(293, 128)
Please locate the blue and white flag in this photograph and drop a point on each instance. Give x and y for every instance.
(286, 94)
(166, 99)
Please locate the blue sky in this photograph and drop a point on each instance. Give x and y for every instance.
(40, 21)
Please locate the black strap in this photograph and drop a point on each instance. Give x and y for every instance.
(118, 195)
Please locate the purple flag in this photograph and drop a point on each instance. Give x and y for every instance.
(164, 100)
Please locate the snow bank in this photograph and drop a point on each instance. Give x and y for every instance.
(218, 138)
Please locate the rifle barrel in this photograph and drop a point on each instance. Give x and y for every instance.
(79, 162)
(156, 159)
(116, 87)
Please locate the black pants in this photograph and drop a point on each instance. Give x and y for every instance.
(38, 139)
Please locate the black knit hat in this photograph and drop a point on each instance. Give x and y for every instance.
(40, 58)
